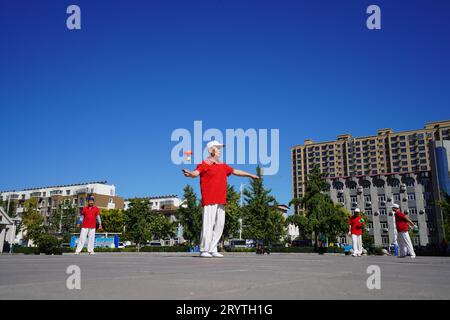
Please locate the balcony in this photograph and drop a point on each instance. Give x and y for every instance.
(56, 193)
(36, 194)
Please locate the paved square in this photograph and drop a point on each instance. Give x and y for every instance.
(237, 276)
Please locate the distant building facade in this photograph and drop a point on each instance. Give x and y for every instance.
(408, 168)
(51, 198)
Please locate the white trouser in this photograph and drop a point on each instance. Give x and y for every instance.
(213, 223)
(405, 244)
(85, 232)
(357, 244)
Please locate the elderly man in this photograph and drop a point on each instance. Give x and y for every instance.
(213, 184)
(355, 226)
(402, 223)
(87, 221)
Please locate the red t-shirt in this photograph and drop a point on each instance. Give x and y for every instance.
(356, 224)
(213, 182)
(400, 222)
(90, 217)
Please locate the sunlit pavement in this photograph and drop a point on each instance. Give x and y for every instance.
(237, 276)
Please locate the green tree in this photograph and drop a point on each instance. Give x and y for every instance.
(189, 215)
(261, 218)
(54, 221)
(137, 221)
(69, 217)
(160, 226)
(322, 216)
(32, 221)
(113, 220)
(444, 203)
(232, 214)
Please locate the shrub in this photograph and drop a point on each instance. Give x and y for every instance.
(49, 245)
(164, 249)
(26, 250)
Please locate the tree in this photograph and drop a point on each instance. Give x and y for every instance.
(143, 224)
(189, 216)
(113, 220)
(160, 226)
(32, 221)
(69, 217)
(322, 216)
(232, 214)
(261, 218)
(444, 203)
(137, 221)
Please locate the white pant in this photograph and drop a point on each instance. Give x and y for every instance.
(213, 223)
(357, 244)
(84, 233)
(405, 245)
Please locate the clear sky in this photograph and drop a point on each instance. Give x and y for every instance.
(101, 103)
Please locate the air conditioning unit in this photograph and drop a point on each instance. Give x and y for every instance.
(421, 211)
(383, 203)
(376, 213)
(406, 211)
(368, 203)
(385, 229)
(405, 199)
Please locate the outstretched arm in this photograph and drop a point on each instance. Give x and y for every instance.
(191, 174)
(241, 173)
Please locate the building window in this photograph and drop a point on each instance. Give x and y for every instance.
(411, 196)
(413, 210)
(367, 198)
(341, 199)
(68, 192)
(353, 199)
(385, 240)
(382, 197)
(383, 225)
(369, 212)
(382, 212)
(396, 197)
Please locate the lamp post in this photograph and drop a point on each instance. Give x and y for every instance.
(240, 219)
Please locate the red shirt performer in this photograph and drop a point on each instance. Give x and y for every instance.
(88, 218)
(213, 184)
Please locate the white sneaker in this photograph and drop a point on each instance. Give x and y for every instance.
(205, 255)
(217, 255)
(354, 255)
(92, 253)
(413, 257)
(77, 253)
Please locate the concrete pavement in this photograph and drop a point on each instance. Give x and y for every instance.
(237, 276)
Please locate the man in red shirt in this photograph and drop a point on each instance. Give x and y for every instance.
(88, 218)
(402, 223)
(213, 184)
(355, 226)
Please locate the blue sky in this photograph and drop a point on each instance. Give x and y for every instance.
(100, 103)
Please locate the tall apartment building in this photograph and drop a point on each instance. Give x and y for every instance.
(369, 172)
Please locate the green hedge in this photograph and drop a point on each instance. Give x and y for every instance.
(164, 249)
(26, 250)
